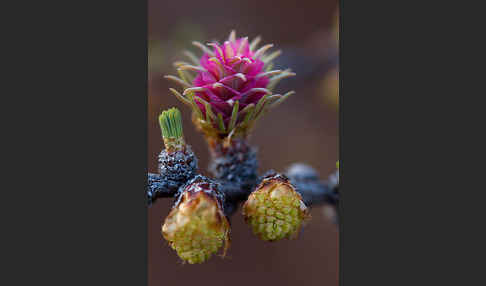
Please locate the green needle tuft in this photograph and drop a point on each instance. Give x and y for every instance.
(171, 124)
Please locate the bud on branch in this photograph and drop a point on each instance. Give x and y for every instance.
(275, 210)
(171, 124)
(196, 227)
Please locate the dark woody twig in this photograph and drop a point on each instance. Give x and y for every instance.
(314, 192)
(159, 187)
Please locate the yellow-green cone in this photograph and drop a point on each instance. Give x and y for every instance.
(197, 227)
(275, 210)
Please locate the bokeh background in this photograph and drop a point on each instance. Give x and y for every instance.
(303, 129)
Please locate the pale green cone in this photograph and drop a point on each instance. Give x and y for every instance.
(197, 227)
(275, 210)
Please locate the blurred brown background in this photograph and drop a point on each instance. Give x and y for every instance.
(302, 129)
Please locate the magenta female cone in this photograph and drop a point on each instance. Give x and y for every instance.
(230, 86)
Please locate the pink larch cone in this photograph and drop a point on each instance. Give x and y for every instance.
(230, 86)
